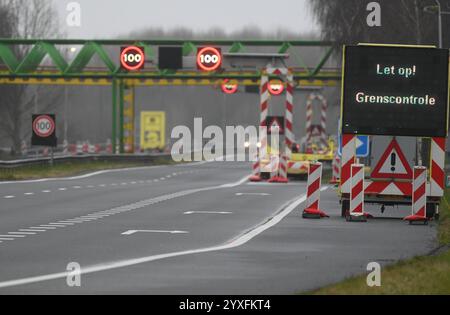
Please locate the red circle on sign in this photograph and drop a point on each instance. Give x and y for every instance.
(275, 87)
(229, 87)
(211, 65)
(137, 51)
(44, 126)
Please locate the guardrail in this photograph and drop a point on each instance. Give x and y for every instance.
(139, 158)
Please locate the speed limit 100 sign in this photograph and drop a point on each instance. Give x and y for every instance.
(44, 126)
(132, 58)
(209, 58)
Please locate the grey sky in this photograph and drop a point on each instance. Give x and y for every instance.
(107, 18)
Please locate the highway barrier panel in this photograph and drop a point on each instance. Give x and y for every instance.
(356, 213)
(312, 209)
(419, 197)
(336, 165)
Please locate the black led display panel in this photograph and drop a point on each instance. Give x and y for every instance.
(170, 58)
(393, 90)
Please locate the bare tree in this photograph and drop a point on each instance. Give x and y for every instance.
(403, 21)
(24, 19)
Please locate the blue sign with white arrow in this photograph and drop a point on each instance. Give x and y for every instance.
(362, 145)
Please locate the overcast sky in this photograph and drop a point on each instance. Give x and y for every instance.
(108, 18)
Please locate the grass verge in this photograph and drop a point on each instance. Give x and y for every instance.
(419, 275)
(68, 169)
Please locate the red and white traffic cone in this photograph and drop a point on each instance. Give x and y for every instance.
(108, 146)
(312, 210)
(281, 176)
(65, 147)
(23, 148)
(335, 168)
(419, 196)
(356, 213)
(85, 147)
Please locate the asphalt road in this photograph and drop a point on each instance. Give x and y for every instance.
(186, 229)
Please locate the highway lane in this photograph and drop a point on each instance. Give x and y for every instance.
(295, 254)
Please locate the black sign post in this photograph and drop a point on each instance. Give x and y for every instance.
(395, 90)
(44, 131)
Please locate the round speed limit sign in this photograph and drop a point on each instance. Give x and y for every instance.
(132, 58)
(209, 58)
(43, 126)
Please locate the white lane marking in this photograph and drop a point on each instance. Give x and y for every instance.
(9, 235)
(22, 233)
(90, 186)
(6, 239)
(32, 230)
(207, 212)
(131, 232)
(102, 185)
(46, 191)
(236, 242)
(42, 227)
(62, 189)
(85, 175)
(51, 226)
(253, 194)
(276, 184)
(9, 197)
(29, 194)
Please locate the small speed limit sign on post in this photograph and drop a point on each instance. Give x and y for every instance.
(44, 130)
(132, 58)
(209, 58)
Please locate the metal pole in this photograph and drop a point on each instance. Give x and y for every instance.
(66, 97)
(114, 116)
(439, 22)
(121, 120)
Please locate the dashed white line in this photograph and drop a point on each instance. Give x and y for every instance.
(31, 230)
(9, 197)
(29, 194)
(62, 189)
(9, 235)
(46, 191)
(22, 233)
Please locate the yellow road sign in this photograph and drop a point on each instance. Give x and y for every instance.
(153, 130)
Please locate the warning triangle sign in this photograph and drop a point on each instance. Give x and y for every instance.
(392, 164)
(275, 124)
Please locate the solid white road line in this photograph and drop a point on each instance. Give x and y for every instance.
(207, 212)
(84, 176)
(131, 232)
(236, 242)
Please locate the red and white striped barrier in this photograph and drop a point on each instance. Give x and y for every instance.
(312, 210)
(419, 196)
(356, 212)
(336, 166)
(264, 107)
